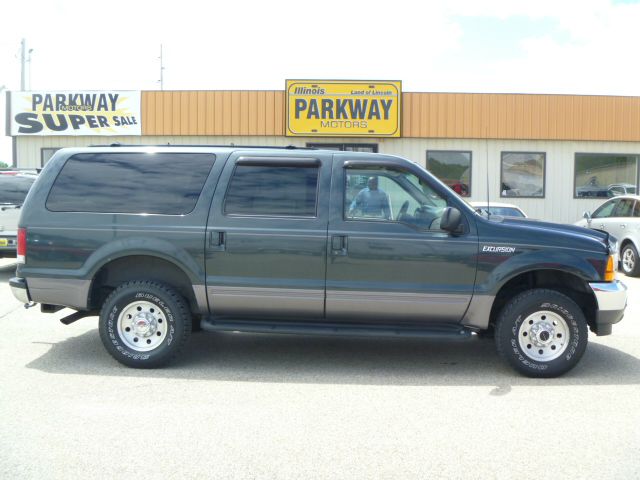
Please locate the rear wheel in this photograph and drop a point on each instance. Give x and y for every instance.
(541, 333)
(629, 260)
(144, 324)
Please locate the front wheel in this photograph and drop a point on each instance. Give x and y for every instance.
(144, 324)
(629, 260)
(541, 333)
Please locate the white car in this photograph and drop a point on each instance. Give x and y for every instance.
(620, 217)
(497, 208)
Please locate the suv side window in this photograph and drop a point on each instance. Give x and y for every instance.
(383, 194)
(605, 210)
(154, 183)
(272, 190)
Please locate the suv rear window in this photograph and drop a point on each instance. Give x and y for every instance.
(14, 189)
(156, 183)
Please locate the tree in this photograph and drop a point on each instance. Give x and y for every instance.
(3, 165)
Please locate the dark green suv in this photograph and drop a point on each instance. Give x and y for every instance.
(163, 240)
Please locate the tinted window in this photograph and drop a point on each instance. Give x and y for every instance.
(504, 211)
(14, 189)
(625, 207)
(272, 190)
(605, 210)
(160, 183)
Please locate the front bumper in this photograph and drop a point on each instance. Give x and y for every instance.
(20, 290)
(612, 300)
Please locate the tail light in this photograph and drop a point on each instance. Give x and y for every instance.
(610, 273)
(22, 245)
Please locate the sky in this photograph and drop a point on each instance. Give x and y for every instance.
(506, 46)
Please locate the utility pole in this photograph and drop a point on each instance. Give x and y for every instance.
(161, 70)
(23, 62)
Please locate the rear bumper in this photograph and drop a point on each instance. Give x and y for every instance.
(19, 289)
(612, 300)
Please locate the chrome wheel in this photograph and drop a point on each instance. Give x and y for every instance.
(543, 336)
(142, 326)
(628, 260)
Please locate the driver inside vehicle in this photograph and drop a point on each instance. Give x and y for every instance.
(371, 201)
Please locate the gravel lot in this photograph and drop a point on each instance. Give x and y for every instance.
(262, 406)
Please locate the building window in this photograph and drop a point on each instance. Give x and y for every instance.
(46, 154)
(522, 174)
(605, 175)
(346, 147)
(453, 168)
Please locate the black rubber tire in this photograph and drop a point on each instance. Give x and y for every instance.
(635, 271)
(175, 311)
(518, 309)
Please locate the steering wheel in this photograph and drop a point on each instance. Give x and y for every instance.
(403, 209)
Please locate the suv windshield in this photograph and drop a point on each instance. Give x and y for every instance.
(14, 188)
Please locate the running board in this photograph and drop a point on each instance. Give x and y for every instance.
(348, 329)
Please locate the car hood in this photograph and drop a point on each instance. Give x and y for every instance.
(549, 233)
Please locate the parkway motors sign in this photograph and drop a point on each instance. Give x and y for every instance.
(343, 108)
(75, 113)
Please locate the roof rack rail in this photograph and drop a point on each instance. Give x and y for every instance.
(278, 147)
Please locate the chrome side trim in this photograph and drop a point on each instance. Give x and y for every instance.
(60, 291)
(264, 301)
(479, 311)
(375, 306)
(200, 292)
(610, 295)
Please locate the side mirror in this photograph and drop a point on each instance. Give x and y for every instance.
(587, 216)
(451, 219)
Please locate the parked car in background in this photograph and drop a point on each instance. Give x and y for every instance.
(620, 217)
(616, 189)
(497, 208)
(13, 190)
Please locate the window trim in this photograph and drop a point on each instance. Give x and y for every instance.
(323, 145)
(306, 162)
(544, 175)
(598, 154)
(470, 152)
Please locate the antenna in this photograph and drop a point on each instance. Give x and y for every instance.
(486, 143)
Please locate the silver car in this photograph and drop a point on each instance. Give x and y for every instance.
(620, 217)
(13, 190)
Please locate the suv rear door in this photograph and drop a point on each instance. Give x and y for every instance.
(267, 236)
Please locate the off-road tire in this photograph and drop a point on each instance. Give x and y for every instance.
(166, 309)
(531, 352)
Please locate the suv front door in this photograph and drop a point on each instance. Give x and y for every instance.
(267, 237)
(388, 260)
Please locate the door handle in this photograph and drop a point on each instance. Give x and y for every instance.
(622, 225)
(339, 245)
(217, 240)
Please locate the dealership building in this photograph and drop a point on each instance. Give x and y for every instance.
(554, 156)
